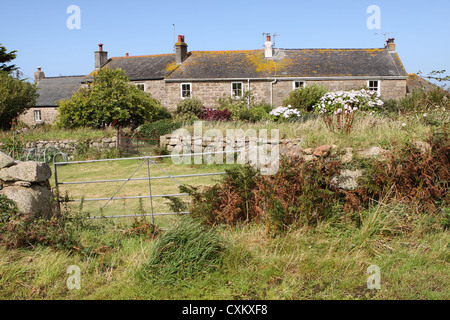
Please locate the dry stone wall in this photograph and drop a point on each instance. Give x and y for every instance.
(69, 145)
(27, 184)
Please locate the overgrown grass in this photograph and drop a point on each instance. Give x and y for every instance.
(367, 131)
(50, 133)
(133, 259)
(329, 261)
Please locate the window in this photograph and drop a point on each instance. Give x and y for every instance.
(37, 115)
(373, 85)
(141, 86)
(298, 84)
(236, 89)
(186, 90)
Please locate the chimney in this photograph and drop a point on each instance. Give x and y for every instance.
(180, 50)
(390, 45)
(268, 49)
(38, 75)
(101, 57)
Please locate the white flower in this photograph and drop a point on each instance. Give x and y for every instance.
(403, 124)
(425, 115)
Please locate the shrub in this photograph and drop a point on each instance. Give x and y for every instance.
(412, 176)
(390, 106)
(284, 113)
(305, 98)
(209, 114)
(188, 109)
(245, 108)
(300, 193)
(185, 251)
(156, 129)
(338, 108)
(423, 100)
(18, 230)
(256, 112)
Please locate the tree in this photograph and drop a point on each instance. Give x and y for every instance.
(15, 97)
(109, 99)
(6, 57)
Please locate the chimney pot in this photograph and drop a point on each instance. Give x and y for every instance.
(100, 46)
(126, 54)
(390, 44)
(268, 50)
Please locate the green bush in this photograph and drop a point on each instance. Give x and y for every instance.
(188, 109)
(424, 100)
(162, 114)
(390, 106)
(256, 113)
(304, 98)
(245, 108)
(156, 129)
(185, 251)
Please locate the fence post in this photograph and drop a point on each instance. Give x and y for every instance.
(58, 206)
(150, 189)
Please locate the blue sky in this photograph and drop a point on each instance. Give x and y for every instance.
(38, 29)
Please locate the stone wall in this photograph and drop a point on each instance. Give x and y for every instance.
(169, 93)
(68, 146)
(48, 115)
(27, 184)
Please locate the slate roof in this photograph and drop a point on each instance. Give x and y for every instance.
(150, 67)
(415, 82)
(53, 89)
(290, 63)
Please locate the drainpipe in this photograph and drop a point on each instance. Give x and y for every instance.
(248, 89)
(271, 91)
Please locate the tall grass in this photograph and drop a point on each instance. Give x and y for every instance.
(185, 251)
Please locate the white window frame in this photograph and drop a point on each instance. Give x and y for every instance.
(37, 116)
(295, 81)
(241, 89)
(141, 83)
(181, 89)
(378, 88)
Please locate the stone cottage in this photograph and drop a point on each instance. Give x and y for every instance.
(269, 73)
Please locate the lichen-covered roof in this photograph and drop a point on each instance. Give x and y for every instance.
(415, 82)
(289, 63)
(144, 67)
(53, 89)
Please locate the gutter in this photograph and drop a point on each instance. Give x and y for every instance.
(292, 78)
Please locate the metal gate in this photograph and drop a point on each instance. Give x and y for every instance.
(146, 162)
